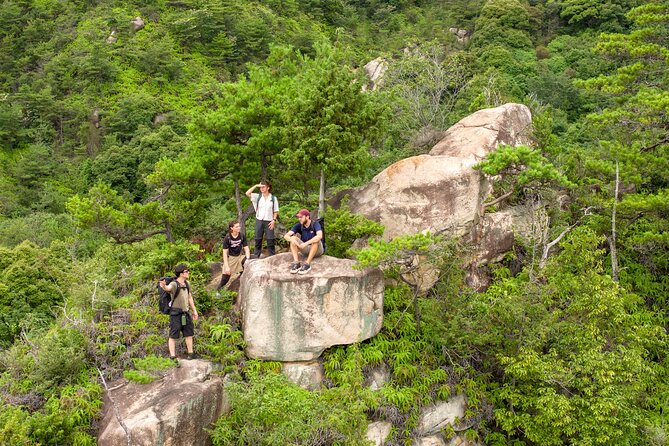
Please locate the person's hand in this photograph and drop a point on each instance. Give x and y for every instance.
(271, 224)
(195, 316)
(226, 270)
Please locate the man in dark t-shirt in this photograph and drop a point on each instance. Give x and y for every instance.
(304, 237)
(233, 262)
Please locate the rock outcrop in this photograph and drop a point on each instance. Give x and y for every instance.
(173, 411)
(137, 24)
(440, 191)
(290, 317)
(375, 69)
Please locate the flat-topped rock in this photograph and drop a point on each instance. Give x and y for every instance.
(294, 317)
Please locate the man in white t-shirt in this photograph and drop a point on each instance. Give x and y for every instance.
(267, 211)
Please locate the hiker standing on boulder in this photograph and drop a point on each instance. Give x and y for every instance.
(267, 211)
(233, 261)
(305, 237)
(182, 313)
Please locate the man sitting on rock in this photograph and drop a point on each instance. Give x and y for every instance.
(305, 238)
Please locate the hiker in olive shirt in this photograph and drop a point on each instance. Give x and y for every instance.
(183, 311)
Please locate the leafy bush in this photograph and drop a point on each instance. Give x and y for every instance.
(269, 410)
(342, 228)
(32, 284)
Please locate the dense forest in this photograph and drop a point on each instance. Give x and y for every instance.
(129, 131)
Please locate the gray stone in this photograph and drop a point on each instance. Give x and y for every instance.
(375, 69)
(435, 417)
(308, 375)
(173, 411)
(433, 440)
(137, 24)
(378, 432)
(441, 192)
(294, 317)
(378, 377)
(112, 37)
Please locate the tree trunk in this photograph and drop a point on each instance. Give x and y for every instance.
(612, 239)
(263, 167)
(321, 195)
(238, 203)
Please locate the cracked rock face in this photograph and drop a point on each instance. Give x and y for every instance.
(293, 317)
(176, 410)
(440, 191)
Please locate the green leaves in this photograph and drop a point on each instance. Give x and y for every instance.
(572, 350)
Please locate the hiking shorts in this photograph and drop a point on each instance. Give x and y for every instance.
(177, 328)
(305, 251)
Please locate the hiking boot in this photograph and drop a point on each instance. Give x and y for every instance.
(294, 267)
(304, 269)
(192, 356)
(175, 361)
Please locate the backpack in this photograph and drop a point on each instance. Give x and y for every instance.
(165, 299)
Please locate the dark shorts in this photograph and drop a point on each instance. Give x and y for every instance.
(176, 328)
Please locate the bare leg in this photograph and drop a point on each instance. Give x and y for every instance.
(172, 345)
(189, 344)
(313, 249)
(294, 251)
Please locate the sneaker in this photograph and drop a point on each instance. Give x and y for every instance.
(294, 267)
(304, 269)
(175, 361)
(192, 356)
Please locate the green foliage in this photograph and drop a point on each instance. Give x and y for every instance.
(571, 351)
(223, 343)
(607, 15)
(425, 86)
(32, 285)
(382, 253)
(521, 168)
(268, 410)
(329, 121)
(66, 418)
(503, 22)
(148, 369)
(343, 228)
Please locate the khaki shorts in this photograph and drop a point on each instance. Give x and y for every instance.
(235, 263)
(305, 251)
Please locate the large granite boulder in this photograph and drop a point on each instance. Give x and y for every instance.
(482, 132)
(441, 192)
(173, 411)
(292, 317)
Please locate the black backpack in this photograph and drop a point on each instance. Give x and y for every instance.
(165, 299)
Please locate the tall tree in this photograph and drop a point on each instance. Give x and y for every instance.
(630, 162)
(239, 138)
(330, 120)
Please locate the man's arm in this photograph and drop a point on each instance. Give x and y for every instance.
(317, 238)
(169, 288)
(250, 191)
(226, 264)
(191, 302)
(288, 236)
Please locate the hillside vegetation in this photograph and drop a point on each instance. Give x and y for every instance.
(126, 149)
